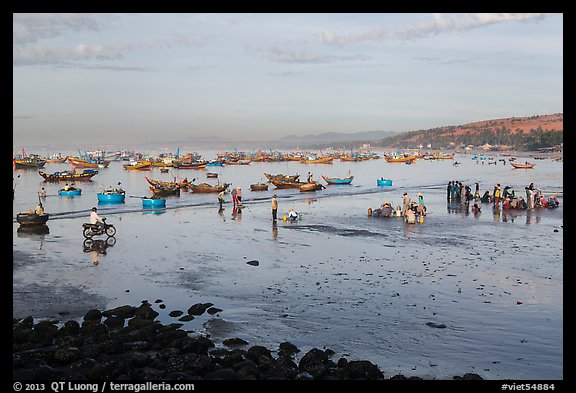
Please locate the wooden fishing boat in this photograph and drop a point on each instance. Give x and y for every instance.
(153, 202)
(212, 174)
(159, 190)
(87, 174)
(31, 218)
(320, 160)
(138, 166)
(161, 183)
(84, 163)
(112, 196)
(522, 166)
(338, 180)
(206, 188)
(190, 164)
(312, 186)
(287, 184)
(56, 159)
(259, 187)
(70, 192)
(281, 177)
(384, 182)
(440, 156)
(400, 159)
(237, 162)
(30, 161)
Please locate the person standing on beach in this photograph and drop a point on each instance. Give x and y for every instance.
(274, 207)
(42, 193)
(239, 196)
(448, 189)
(234, 198)
(497, 195)
(406, 203)
(221, 198)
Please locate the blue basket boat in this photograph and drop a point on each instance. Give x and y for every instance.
(384, 182)
(153, 202)
(76, 191)
(111, 197)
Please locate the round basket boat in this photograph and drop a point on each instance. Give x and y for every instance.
(76, 191)
(111, 197)
(153, 202)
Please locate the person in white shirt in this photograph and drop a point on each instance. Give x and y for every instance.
(96, 219)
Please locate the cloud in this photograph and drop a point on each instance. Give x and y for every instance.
(436, 24)
(31, 28)
(285, 55)
(28, 55)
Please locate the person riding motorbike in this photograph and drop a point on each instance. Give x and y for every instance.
(96, 219)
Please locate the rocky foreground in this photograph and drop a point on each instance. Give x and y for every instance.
(126, 343)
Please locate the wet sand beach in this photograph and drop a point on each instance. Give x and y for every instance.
(460, 293)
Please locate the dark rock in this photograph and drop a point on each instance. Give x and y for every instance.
(222, 374)
(186, 318)
(362, 369)
(253, 263)
(93, 315)
(213, 310)
(232, 342)
(114, 322)
(145, 311)
(288, 348)
(472, 376)
(198, 345)
(67, 355)
(68, 329)
(198, 308)
(175, 313)
(436, 325)
(399, 377)
(121, 312)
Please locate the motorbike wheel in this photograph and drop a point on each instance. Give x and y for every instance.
(110, 231)
(87, 233)
(111, 241)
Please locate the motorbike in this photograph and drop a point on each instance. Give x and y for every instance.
(94, 230)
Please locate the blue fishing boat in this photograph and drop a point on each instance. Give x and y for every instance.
(338, 180)
(384, 182)
(70, 192)
(112, 196)
(153, 202)
(214, 163)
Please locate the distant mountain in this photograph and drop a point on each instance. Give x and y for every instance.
(334, 137)
(521, 133)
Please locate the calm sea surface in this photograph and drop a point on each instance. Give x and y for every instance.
(366, 288)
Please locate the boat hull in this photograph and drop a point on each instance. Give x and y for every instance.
(70, 177)
(334, 180)
(153, 202)
(77, 191)
(385, 182)
(111, 198)
(31, 219)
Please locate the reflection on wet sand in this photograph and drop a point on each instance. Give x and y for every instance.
(98, 247)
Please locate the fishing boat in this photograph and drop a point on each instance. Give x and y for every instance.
(207, 188)
(212, 174)
(138, 166)
(312, 186)
(164, 170)
(259, 187)
(56, 159)
(70, 192)
(29, 161)
(31, 218)
(112, 196)
(400, 159)
(526, 165)
(281, 177)
(214, 163)
(319, 160)
(153, 202)
(88, 163)
(70, 176)
(165, 190)
(338, 180)
(190, 164)
(384, 182)
(287, 183)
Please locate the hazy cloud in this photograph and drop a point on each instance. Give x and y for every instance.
(436, 24)
(31, 28)
(285, 55)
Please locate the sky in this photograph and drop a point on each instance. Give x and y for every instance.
(122, 78)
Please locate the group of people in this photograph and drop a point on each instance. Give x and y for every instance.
(410, 210)
(505, 197)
